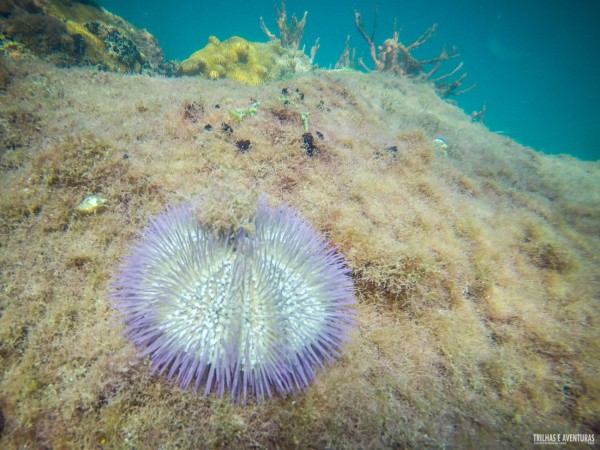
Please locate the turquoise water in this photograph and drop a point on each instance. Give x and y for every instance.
(535, 62)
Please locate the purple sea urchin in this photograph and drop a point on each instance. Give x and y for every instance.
(251, 314)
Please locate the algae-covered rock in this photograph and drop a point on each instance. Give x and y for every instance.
(4, 72)
(250, 63)
(77, 33)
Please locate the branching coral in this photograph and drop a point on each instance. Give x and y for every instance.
(396, 58)
(290, 35)
(346, 59)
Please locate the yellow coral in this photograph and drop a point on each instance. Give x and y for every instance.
(250, 63)
(240, 51)
(247, 77)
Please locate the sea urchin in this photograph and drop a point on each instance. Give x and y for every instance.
(251, 313)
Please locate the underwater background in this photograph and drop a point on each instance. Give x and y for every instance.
(533, 62)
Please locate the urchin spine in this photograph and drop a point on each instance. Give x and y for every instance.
(246, 313)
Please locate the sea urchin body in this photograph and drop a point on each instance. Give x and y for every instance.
(249, 314)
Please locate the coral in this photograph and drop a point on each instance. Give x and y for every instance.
(249, 313)
(289, 35)
(478, 116)
(395, 57)
(346, 59)
(250, 63)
